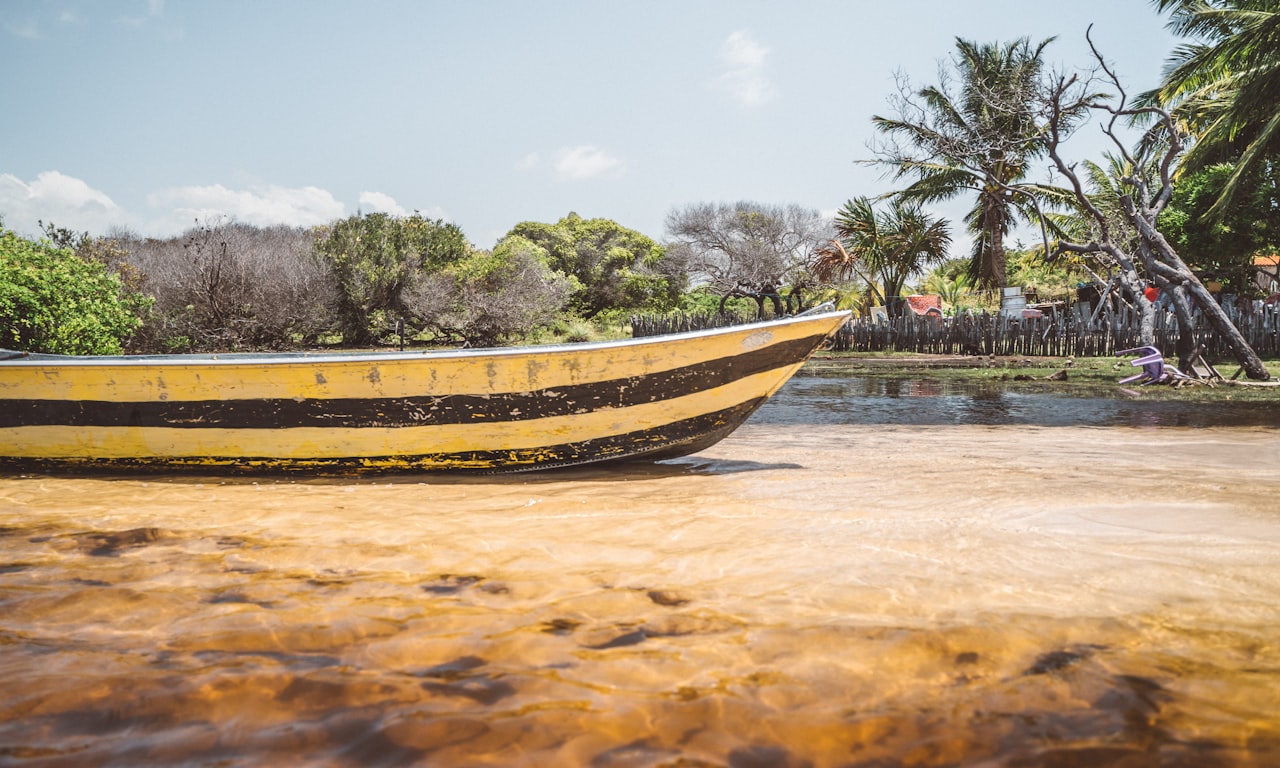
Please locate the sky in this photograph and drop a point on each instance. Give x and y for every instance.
(156, 115)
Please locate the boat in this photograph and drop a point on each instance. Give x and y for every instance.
(478, 410)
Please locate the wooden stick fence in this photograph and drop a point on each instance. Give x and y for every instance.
(1069, 332)
(660, 325)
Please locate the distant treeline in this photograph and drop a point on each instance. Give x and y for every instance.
(368, 280)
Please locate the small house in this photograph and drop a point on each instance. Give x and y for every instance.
(1266, 273)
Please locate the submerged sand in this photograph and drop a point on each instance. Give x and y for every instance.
(797, 595)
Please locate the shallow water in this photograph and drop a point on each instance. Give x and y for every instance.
(811, 591)
(931, 402)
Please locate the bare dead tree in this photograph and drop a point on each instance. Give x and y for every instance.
(224, 286)
(749, 250)
(1122, 235)
(1067, 101)
(1145, 189)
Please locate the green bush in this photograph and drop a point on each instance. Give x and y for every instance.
(54, 301)
(375, 259)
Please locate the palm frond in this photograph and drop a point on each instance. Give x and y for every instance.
(1224, 86)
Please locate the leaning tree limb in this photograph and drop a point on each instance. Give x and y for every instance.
(1141, 200)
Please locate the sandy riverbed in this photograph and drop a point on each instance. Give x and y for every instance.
(823, 595)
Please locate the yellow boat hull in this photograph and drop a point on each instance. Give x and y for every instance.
(488, 410)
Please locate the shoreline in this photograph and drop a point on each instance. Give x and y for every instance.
(1094, 372)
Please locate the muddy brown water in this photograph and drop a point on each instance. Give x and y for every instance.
(814, 591)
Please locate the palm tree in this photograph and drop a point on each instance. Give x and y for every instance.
(1225, 87)
(979, 140)
(951, 281)
(885, 246)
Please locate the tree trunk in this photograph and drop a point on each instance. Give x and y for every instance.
(999, 265)
(993, 266)
(1244, 354)
(1187, 342)
(1147, 320)
(1182, 277)
(795, 296)
(1165, 262)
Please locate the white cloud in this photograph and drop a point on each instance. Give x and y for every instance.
(435, 212)
(529, 162)
(260, 206)
(56, 198)
(65, 201)
(382, 203)
(744, 76)
(155, 9)
(585, 162)
(26, 29)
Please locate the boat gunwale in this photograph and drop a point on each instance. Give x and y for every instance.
(21, 359)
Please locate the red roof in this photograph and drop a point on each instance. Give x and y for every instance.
(922, 305)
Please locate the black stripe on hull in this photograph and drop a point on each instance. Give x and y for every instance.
(678, 438)
(415, 411)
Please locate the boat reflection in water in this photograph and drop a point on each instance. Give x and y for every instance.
(809, 591)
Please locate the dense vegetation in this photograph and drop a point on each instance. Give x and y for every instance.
(367, 280)
(54, 300)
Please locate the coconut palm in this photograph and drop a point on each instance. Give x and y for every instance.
(977, 141)
(951, 281)
(885, 247)
(1225, 86)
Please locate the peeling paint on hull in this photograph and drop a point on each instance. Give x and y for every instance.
(481, 410)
